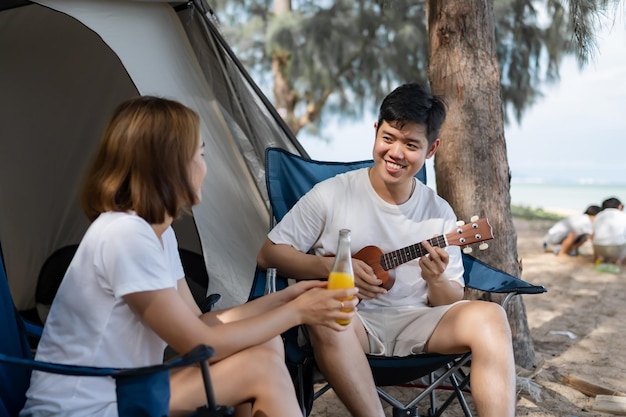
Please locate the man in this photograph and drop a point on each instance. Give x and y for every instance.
(568, 235)
(609, 232)
(423, 312)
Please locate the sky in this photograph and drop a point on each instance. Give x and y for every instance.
(575, 133)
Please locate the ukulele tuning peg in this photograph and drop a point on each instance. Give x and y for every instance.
(474, 218)
(460, 223)
(467, 250)
(483, 246)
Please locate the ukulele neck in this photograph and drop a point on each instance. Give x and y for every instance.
(398, 257)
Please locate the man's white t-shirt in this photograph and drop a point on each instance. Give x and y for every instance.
(348, 201)
(609, 227)
(90, 324)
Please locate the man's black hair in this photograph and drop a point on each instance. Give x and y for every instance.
(611, 202)
(413, 103)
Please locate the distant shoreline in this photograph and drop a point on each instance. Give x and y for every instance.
(562, 198)
(583, 182)
(540, 214)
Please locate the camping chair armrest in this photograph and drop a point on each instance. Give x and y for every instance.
(198, 354)
(140, 391)
(481, 276)
(33, 329)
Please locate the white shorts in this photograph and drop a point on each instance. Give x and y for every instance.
(610, 253)
(402, 331)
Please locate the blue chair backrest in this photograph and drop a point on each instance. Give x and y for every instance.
(14, 380)
(290, 176)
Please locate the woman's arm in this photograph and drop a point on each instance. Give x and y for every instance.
(185, 293)
(295, 264)
(167, 313)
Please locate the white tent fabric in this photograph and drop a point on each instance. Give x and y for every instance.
(65, 65)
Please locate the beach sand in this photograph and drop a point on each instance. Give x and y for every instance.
(578, 329)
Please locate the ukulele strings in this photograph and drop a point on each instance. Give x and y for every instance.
(392, 259)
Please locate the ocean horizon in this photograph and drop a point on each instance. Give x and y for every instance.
(563, 197)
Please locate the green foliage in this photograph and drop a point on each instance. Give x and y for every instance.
(345, 55)
(357, 50)
(530, 213)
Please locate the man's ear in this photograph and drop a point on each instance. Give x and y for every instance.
(433, 148)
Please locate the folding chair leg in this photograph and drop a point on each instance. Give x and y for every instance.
(407, 412)
(300, 393)
(458, 387)
(211, 409)
(458, 390)
(399, 409)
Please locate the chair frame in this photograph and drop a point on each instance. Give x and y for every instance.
(127, 379)
(478, 275)
(199, 355)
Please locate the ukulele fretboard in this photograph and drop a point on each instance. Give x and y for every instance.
(398, 257)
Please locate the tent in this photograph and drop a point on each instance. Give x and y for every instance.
(64, 66)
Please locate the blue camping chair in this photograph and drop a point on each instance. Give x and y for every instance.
(140, 391)
(289, 177)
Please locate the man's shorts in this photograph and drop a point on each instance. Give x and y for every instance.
(610, 253)
(402, 331)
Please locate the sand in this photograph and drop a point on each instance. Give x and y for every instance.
(578, 328)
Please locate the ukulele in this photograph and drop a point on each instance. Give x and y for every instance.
(478, 230)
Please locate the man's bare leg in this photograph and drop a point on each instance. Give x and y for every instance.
(568, 244)
(340, 357)
(481, 327)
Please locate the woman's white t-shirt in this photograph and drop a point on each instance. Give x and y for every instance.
(90, 324)
(348, 201)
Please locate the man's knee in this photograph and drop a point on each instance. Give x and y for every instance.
(492, 319)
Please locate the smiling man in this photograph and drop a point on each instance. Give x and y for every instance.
(423, 311)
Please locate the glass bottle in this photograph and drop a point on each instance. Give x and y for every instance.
(341, 275)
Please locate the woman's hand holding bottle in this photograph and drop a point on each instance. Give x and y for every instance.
(320, 306)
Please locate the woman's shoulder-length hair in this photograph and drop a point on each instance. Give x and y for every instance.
(142, 162)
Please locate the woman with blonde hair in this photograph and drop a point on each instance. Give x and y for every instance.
(124, 297)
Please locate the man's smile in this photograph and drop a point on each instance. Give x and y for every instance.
(394, 166)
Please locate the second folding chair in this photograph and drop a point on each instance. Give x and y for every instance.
(289, 177)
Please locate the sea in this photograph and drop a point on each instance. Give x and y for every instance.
(564, 198)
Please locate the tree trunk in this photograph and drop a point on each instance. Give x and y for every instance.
(285, 97)
(471, 165)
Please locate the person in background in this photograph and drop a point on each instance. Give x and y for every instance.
(609, 233)
(424, 311)
(567, 235)
(124, 296)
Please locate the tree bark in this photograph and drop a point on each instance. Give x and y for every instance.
(285, 96)
(471, 165)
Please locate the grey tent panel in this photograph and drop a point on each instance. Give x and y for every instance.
(65, 65)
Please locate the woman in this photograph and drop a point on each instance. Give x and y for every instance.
(124, 296)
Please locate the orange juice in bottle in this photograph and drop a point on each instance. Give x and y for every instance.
(341, 275)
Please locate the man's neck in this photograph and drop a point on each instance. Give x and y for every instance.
(396, 193)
